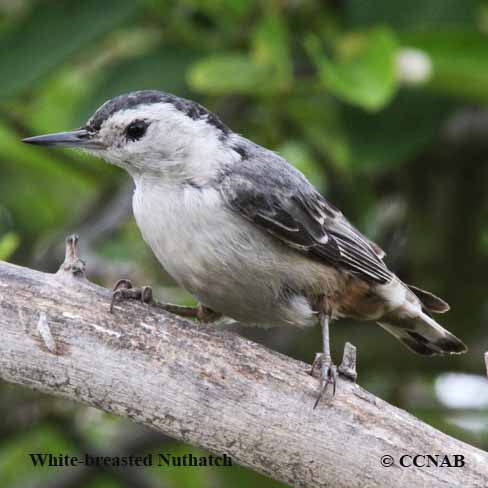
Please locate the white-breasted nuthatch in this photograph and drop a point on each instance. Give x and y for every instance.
(244, 231)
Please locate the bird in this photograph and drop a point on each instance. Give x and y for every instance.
(245, 232)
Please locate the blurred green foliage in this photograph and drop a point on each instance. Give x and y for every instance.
(375, 101)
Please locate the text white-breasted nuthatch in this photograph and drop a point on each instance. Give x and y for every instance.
(244, 231)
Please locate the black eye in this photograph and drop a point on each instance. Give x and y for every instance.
(135, 130)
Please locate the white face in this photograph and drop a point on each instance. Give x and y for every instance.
(158, 139)
(163, 136)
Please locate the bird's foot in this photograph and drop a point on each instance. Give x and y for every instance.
(328, 375)
(123, 290)
(327, 372)
(207, 315)
(200, 312)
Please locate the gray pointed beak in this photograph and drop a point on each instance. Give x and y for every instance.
(81, 138)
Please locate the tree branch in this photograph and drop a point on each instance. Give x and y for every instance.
(210, 388)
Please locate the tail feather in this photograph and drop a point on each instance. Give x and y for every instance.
(423, 335)
(429, 300)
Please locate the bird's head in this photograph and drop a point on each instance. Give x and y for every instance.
(150, 132)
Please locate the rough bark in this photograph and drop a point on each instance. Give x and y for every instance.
(210, 388)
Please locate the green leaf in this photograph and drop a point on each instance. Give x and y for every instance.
(8, 244)
(267, 69)
(271, 49)
(459, 60)
(226, 73)
(364, 73)
(54, 31)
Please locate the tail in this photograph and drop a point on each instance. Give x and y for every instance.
(423, 335)
(429, 301)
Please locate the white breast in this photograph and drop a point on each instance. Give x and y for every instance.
(226, 262)
(173, 221)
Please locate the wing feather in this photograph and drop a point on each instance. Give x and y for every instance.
(295, 213)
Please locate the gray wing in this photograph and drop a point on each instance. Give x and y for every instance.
(279, 199)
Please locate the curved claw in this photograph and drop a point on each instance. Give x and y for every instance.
(123, 283)
(116, 297)
(123, 290)
(146, 294)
